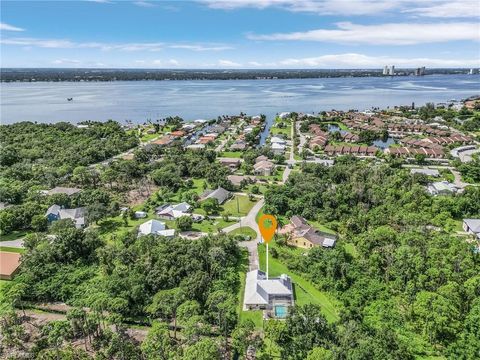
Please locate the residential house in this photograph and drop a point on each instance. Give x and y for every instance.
(163, 141)
(273, 294)
(278, 149)
(472, 226)
(261, 158)
(264, 168)
(231, 163)
(278, 140)
(238, 179)
(171, 212)
(220, 194)
(301, 234)
(442, 188)
(238, 145)
(9, 264)
(155, 227)
(140, 214)
(56, 212)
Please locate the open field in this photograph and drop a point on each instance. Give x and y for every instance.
(239, 205)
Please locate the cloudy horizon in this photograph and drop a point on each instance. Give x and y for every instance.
(240, 34)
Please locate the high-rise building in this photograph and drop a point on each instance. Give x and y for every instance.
(420, 71)
(388, 70)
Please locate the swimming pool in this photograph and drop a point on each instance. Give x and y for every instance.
(281, 311)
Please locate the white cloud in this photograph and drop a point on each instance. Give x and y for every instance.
(254, 63)
(66, 61)
(144, 4)
(201, 47)
(228, 63)
(7, 27)
(450, 9)
(384, 34)
(430, 8)
(67, 44)
(354, 60)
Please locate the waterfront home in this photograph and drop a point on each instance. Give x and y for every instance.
(57, 212)
(278, 140)
(472, 226)
(155, 227)
(264, 168)
(442, 188)
(301, 234)
(171, 212)
(274, 294)
(220, 194)
(9, 264)
(278, 149)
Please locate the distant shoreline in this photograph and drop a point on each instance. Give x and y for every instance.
(110, 75)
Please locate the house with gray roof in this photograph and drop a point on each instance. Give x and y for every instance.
(472, 226)
(267, 294)
(56, 212)
(220, 194)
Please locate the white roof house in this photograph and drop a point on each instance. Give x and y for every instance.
(278, 148)
(174, 211)
(441, 188)
(261, 293)
(284, 115)
(472, 226)
(277, 140)
(155, 227)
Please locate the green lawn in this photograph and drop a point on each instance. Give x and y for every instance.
(14, 235)
(208, 226)
(239, 205)
(305, 291)
(351, 249)
(287, 131)
(12, 249)
(244, 230)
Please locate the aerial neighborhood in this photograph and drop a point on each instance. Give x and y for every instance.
(182, 199)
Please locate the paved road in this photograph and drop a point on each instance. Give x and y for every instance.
(251, 245)
(18, 243)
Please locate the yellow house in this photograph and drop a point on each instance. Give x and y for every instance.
(301, 234)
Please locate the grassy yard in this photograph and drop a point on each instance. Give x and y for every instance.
(239, 205)
(13, 236)
(12, 249)
(351, 249)
(305, 291)
(281, 131)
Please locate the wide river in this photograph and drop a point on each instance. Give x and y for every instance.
(139, 101)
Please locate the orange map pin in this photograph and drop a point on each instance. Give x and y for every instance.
(267, 225)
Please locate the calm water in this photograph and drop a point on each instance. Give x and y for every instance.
(139, 101)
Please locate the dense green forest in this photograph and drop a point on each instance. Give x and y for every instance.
(40, 156)
(412, 285)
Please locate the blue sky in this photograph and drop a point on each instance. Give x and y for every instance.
(240, 33)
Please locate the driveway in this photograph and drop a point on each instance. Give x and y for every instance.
(251, 245)
(18, 243)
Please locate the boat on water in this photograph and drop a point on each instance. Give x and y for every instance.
(69, 99)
